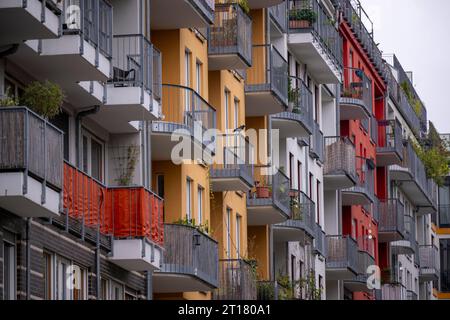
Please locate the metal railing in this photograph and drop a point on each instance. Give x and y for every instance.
(205, 7)
(300, 102)
(317, 146)
(237, 281)
(411, 295)
(183, 108)
(342, 253)
(303, 211)
(391, 217)
(365, 260)
(374, 129)
(410, 229)
(31, 144)
(429, 259)
(390, 137)
(231, 33)
(323, 28)
(365, 179)
(340, 157)
(134, 59)
(279, 15)
(357, 88)
(93, 20)
(190, 252)
(444, 216)
(320, 241)
(273, 190)
(269, 72)
(393, 291)
(353, 14)
(236, 151)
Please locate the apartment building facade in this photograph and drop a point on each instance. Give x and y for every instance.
(307, 182)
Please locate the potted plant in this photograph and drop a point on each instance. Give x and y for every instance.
(302, 18)
(44, 98)
(262, 190)
(8, 100)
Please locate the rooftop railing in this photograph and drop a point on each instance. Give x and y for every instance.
(340, 157)
(323, 28)
(237, 281)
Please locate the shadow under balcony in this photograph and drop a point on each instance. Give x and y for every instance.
(298, 121)
(269, 202)
(190, 263)
(237, 281)
(391, 223)
(233, 172)
(340, 163)
(31, 164)
(179, 14)
(230, 39)
(28, 20)
(301, 224)
(259, 4)
(390, 143)
(266, 88)
(186, 117)
(407, 245)
(359, 284)
(342, 258)
(429, 263)
(363, 192)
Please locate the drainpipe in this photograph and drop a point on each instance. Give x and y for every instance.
(28, 260)
(80, 115)
(149, 275)
(97, 264)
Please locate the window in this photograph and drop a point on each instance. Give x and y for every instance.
(228, 233)
(79, 291)
(301, 266)
(117, 290)
(160, 185)
(188, 199)
(9, 267)
(236, 113)
(198, 76)
(48, 276)
(200, 205)
(71, 280)
(291, 170)
(238, 236)
(187, 78)
(318, 201)
(320, 284)
(311, 177)
(92, 156)
(61, 121)
(317, 104)
(226, 106)
(354, 224)
(293, 264)
(299, 176)
(13, 88)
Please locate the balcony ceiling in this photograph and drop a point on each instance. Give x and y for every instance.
(258, 4)
(164, 282)
(175, 14)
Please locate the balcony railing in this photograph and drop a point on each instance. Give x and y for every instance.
(122, 212)
(303, 211)
(269, 72)
(93, 21)
(231, 33)
(365, 260)
(279, 15)
(182, 108)
(136, 63)
(410, 228)
(272, 290)
(32, 145)
(357, 89)
(273, 190)
(237, 281)
(365, 179)
(429, 260)
(323, 28)
(353, 14)
(392, 291)
(392, 219)
(320, 244)
(390, 137)
(317, 147)
(411, 295)
(342, 253)
(340, 157)
(190, 252)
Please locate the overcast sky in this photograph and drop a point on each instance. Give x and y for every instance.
(418, 32)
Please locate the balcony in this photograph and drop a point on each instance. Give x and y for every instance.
(354, 15)
(278, 16)
(301, 225)
(363, 192)
(359, 284)
(269, 202)
(356, 102)
(408, 244)
(186, 115)
(236, 281)
(320, 244)
(31, 158)
(316, 149)
(259, 4)
(179, 14)
(133, 216)
(429, 262)
(273, 290)
(340, 163)
(392, 291)
(298, 121)
(29, 20)
(342, 258)
(266, 87)
(444, 216)
(411, 295)
(317, 44)
(230, 39)
(390, 143)
(191, 261)
(233, 172)
(391, 224)
(413, 180)
(133, 93)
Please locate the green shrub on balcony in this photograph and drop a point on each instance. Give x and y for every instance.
(244, 5)
(8, 100)
(435, 159)
(45, 98)
(413, 101)
(203, 228)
